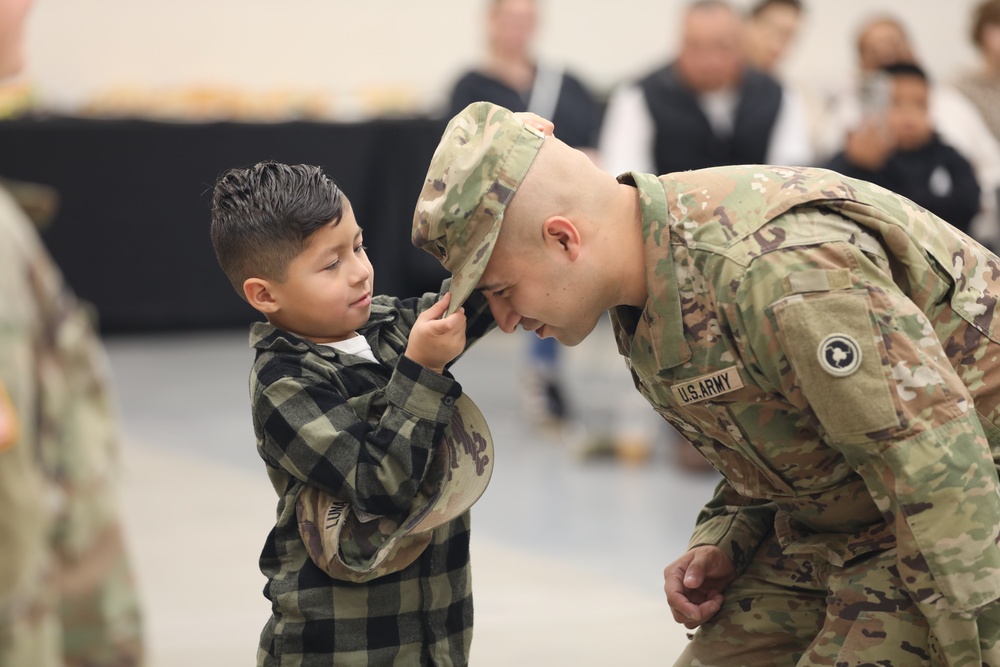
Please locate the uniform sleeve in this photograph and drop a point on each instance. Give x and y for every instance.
(848, 348)
(734, 523)
(371, 450)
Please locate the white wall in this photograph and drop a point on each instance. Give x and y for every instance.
(344, 47)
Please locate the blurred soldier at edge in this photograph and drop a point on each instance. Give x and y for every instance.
(66, 592)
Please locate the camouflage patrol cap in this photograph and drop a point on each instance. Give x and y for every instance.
(482, 158)
(351, 545)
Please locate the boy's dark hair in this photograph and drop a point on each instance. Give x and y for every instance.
(905, 69)
(262, 217)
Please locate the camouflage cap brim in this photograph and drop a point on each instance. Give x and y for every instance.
(465, 455)
(350, 546)
(484, 155)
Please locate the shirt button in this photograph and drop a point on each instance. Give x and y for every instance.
(449, 400)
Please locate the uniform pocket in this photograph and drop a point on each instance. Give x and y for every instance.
(835, 348)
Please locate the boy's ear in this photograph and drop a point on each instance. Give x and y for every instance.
(561, 235)
(258, 294)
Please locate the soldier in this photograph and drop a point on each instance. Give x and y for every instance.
(66, 593)
(828, 346)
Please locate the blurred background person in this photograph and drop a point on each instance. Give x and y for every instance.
(512, 76)
(705, 108)
(770, 33)
(910, 158)
(982, 85)
(771, 28)
(66, 592)
(856, 112)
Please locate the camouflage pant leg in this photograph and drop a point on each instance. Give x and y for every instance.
(870, 618)
(29, 619)
(98, 600)
(770, 616)
(62, 607)
(99, 606)
(964, 639)
(988, 626)
(799, 611)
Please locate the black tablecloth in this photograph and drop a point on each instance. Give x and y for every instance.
(132, 236)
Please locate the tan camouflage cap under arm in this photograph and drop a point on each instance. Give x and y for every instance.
(483, 156)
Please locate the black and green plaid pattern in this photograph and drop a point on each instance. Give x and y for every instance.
(363, 432)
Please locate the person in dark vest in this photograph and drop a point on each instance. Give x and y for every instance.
(707, 108)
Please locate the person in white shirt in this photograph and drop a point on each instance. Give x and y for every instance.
(707, 108)
(854, 118)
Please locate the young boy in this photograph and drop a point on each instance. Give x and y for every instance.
(901, 151)
(351, 402)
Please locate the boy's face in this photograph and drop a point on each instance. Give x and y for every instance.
(327, 292)
(908, 117)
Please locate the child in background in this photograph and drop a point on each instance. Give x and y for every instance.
(899, 149)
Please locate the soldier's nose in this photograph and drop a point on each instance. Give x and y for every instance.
(504, 315)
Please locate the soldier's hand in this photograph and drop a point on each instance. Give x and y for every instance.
(695, 584)
(436, 340)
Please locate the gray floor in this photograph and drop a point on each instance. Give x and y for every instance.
(569, 552)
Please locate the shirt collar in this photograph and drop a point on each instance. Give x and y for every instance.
(661, 324)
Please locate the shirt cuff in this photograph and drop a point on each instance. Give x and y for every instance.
(422, 392)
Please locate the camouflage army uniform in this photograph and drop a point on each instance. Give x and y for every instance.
(66, 594)
(362, 432)
(828, 346)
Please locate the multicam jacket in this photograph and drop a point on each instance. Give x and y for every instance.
(59, 476)
(832, 349)
(363, 432)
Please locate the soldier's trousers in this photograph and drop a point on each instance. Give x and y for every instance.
(61, 607)
(67, 598)
(800, 611)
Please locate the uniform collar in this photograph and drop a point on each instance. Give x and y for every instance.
(661, 327)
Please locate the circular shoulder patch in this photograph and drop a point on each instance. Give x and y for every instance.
(839, 355)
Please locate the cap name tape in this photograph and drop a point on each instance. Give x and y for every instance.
(473, 443)
(336, 514)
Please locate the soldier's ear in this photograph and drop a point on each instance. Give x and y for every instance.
(260, 295)
(560, 235)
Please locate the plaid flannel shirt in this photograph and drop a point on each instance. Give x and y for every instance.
(363, 432)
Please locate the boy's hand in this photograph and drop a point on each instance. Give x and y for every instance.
(435, 341)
